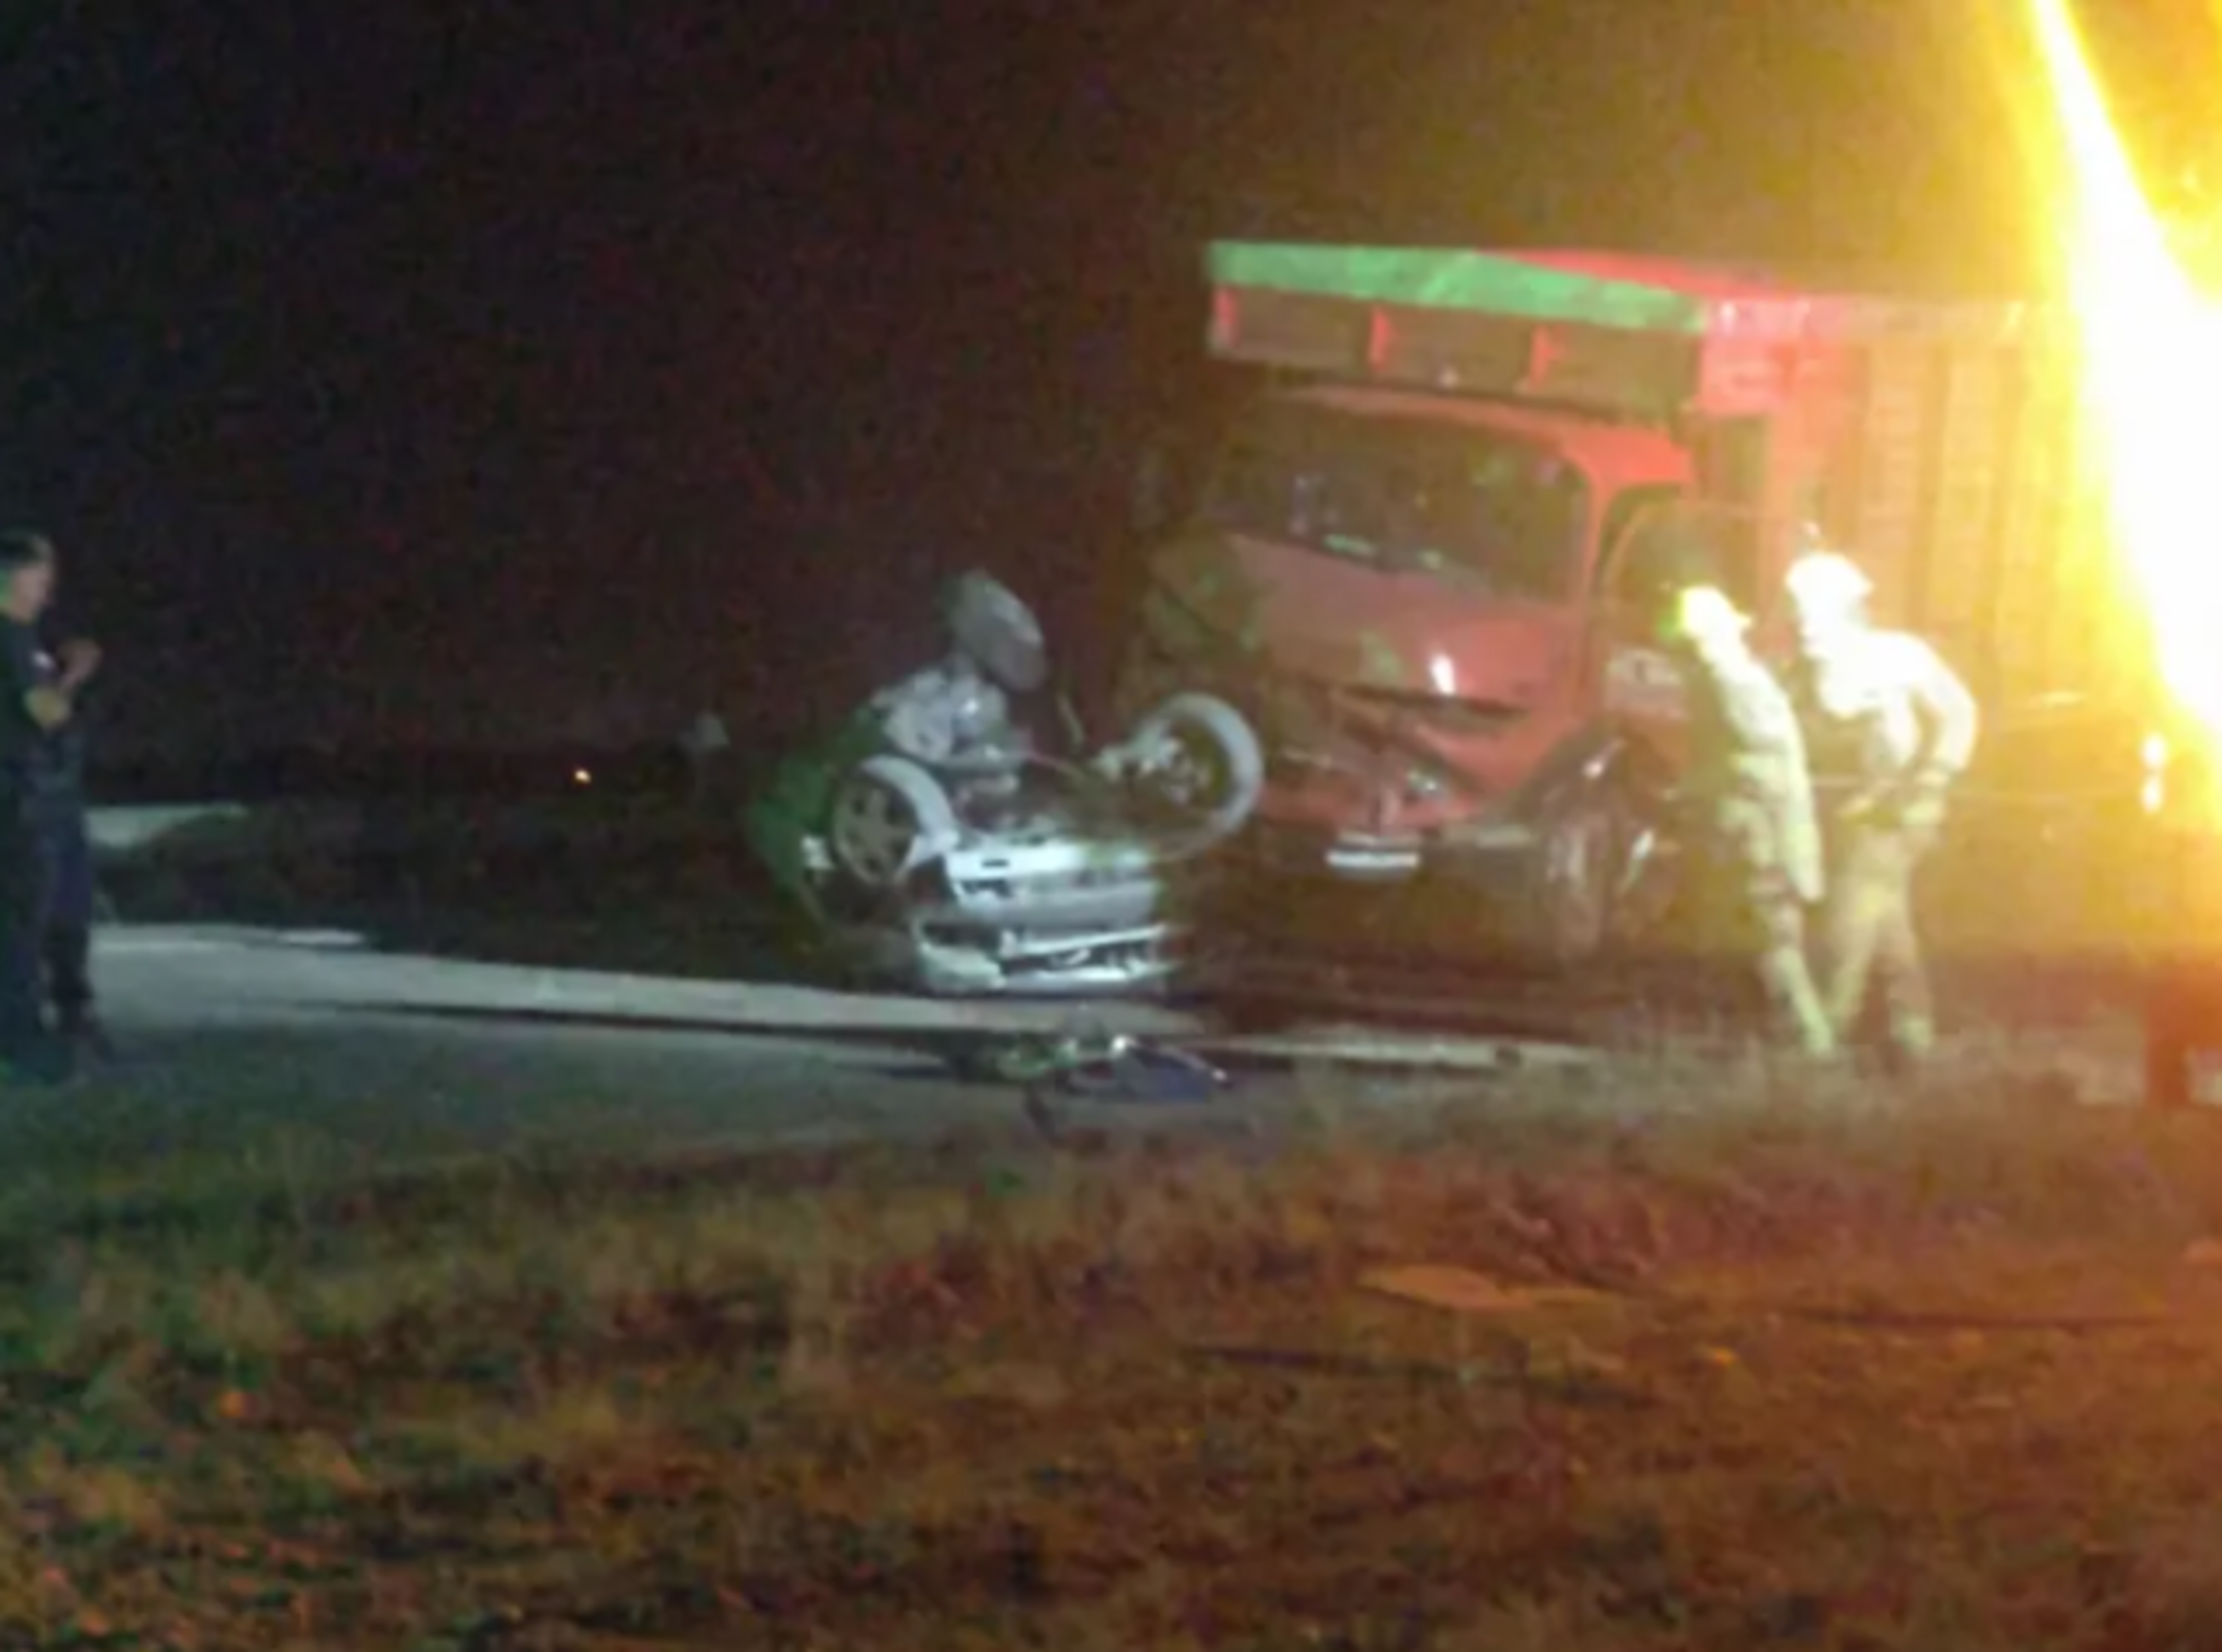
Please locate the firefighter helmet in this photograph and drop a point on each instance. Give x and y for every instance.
(1705, 613)
(1827, 582)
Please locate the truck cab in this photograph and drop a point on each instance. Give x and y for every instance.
(1400, 575)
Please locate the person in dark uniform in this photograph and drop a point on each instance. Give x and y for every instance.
(59, 805)
(33, 705)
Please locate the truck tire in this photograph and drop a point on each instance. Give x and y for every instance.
(1575, 877)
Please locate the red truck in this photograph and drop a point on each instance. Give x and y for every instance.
(1428, 559)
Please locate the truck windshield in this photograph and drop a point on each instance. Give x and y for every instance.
(1408, 494)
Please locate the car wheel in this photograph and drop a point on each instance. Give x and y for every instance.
(887, 818)
(1198, 759)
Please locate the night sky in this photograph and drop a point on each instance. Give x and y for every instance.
(461, 372)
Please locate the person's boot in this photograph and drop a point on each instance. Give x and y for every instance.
(1801, 1021)
(1911, 1043)
(87, 1036)
(31, 1052)
(69, 977)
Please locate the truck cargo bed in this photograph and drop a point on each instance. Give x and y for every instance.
(1937, 442)
(1647, 338)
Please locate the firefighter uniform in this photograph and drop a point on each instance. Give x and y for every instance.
(1752, 802)
(1889, 728)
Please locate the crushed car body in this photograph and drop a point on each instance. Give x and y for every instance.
(936, 846)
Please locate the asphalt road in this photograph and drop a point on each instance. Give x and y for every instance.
(251, 1050)
(245, 1044)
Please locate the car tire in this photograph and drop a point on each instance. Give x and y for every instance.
(1222, 753)
(889, 816)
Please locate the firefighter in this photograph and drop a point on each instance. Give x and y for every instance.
(1754, 799)
(1889, 727)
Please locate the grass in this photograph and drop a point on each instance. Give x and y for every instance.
(1936, 1372)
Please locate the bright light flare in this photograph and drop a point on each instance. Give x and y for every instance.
(2150, 343)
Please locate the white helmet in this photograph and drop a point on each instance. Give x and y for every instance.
(1824, 582)
(1706, 613)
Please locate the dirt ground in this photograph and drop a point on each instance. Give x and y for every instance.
(1843, 1368)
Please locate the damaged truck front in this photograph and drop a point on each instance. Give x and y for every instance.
(1431, 557)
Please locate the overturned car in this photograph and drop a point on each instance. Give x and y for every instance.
(935, 846)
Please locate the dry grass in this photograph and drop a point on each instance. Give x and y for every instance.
(1850, 1377)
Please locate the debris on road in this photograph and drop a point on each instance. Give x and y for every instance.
(1105, 1066)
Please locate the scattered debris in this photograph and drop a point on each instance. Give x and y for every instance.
(1572, 1388)
(1462, 1291)
(1112, 1066)
(1033, 1386)
(1891, 1319)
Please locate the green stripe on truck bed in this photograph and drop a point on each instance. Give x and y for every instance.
(1453, 280)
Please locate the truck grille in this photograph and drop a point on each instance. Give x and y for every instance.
(1311, 729)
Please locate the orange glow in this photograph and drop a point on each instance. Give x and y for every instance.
(2149, 340)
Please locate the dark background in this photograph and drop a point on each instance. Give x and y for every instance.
(451, 373)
